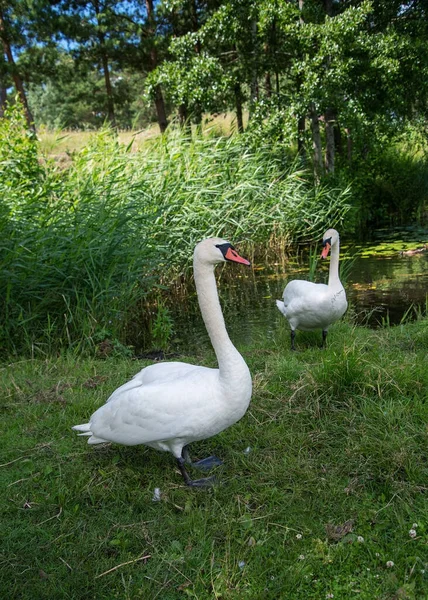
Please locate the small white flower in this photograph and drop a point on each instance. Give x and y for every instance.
(413, 533)
(299, 536)
(302, 557)
(329, 595)
(360, 539)
(389, 563)
(422, 571)
(247, 450)
(241, 564)
(414, 526)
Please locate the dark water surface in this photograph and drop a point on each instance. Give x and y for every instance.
(382, 282)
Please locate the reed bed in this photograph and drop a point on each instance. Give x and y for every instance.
(83, 247)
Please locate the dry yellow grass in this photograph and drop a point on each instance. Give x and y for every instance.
(56, 143)
(62, 143)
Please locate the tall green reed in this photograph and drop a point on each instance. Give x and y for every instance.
(82, 248)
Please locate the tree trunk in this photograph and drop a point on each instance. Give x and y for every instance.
(330, 114)
(15, 75)
(197, 113)
(159, 101)
(109, 90)
(268, 85)
(105, 67)
(160, 109)
(338, 144)
(268, 82)
(301, 121)
(3, 100)
(254, 86)
(195, 24)
(349, 145)
(301, 128)
(238, 101)
(328, 7)
(316, 141)
(184, 119)
(330, 121)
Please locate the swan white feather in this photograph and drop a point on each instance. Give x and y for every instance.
(169, 405)
(308, 305)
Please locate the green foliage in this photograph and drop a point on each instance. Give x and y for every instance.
(391, 185)
(217, 186)
(162, 327)
(82, 247)
(75, 99)
(21, 174)
(313, 262)
(74, 256)
(194, 81)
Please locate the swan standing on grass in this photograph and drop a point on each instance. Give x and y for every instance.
(308, 305)
(169, 405)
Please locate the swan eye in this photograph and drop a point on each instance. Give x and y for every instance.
(223, 248)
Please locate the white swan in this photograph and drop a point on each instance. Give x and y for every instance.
(169, 405)
(308, 305)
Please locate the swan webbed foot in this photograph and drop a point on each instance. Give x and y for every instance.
(205, 482)
(205, 464)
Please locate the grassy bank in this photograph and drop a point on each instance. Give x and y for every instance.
(336, 437)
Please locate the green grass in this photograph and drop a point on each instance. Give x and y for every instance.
(335, 435)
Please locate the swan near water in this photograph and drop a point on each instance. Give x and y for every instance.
(169, 405)
(308, 305)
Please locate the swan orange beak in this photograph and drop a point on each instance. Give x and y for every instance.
(325, 250)
(233, 256)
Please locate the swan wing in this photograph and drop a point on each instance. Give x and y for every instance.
(158, 372)
(301, 290)
(187, 408)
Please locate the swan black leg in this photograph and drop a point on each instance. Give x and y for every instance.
(293, 335)
(324, 338)
(193, 482)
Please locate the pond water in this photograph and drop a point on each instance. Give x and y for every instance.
(386, 280)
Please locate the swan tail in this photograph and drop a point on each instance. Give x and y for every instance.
(96, 440)
(85, 429)
(281, 307)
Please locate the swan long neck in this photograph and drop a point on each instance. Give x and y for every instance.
(227, 355)
(333, 274)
